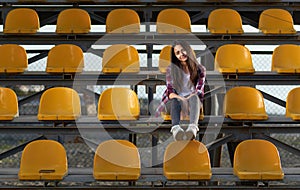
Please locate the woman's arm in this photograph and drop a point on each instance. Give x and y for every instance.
(201, 82)
(169, 83)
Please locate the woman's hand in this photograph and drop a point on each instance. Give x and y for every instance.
(173, 95)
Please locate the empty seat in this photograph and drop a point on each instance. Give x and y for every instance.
(257, 159)
(21, 21)
(13, 59)
(233, 58)
(43, 160)
(164, 59)
(118, 103)
(293, 104)
(286, 59)
(73, 21)
(8, 104)
(122, 21)
(59, 103)
(65, 58)
(173, 20)
(119, 58)
(244, 103)
(276, 21)
(225, 21)
(117, 160)
(187, 160)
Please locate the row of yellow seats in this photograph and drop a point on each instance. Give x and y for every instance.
(69, 58)
(117, 58)
(254, 159)
(171, 20)
(236, 58)
(62, 103)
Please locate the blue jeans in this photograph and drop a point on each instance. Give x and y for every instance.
(175, 106)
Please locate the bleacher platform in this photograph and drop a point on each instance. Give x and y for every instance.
(224, 128)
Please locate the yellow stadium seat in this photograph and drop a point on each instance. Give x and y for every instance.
(276, 21)
(293, 104)
(21, 21)
(65, 58)
(13, 59)
(43, 160)
(187, 160)
(117, 160)
(123, 21)
(225, 21)
(257, 159)
(118, 103)
(233, 58)
(164, 59)
(8, 104)
(173, 20)
(119, 58)
(59, 103)
(286, 59)
(73, 21)
(244, 103)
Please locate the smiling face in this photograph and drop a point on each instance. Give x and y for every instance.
(180, 53)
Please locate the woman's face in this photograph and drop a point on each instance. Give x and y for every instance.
(180, 53)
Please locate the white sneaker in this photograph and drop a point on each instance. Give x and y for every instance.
(177, 132)
(191, 131)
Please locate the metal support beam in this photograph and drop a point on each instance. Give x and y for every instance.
(278, 143)
(273, 99)
(38, 57)
(97, 17)
(219, 142)
(18, 148)
(31, 97)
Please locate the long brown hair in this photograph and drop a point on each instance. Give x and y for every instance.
(177, 68)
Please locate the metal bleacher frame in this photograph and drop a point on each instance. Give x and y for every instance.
(150, 77)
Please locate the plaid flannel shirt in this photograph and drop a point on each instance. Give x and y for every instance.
(199, 88)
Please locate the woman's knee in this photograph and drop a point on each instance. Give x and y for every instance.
(194, 98)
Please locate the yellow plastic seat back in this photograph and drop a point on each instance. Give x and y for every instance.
(233, 58)
(164, 59)
(43, 160)
(119, 58)
(244, 103)
(118, 103)
(59, 103)
(65, 58)
(13, 59)
(276, 21)
(117, 160)
(286, 59)
(21, 21)
(293, 104)
(122, 21)
(73, 21)
(225, 21)
(257, 159)
(8, 104)
(187, 160)
(173, 20)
